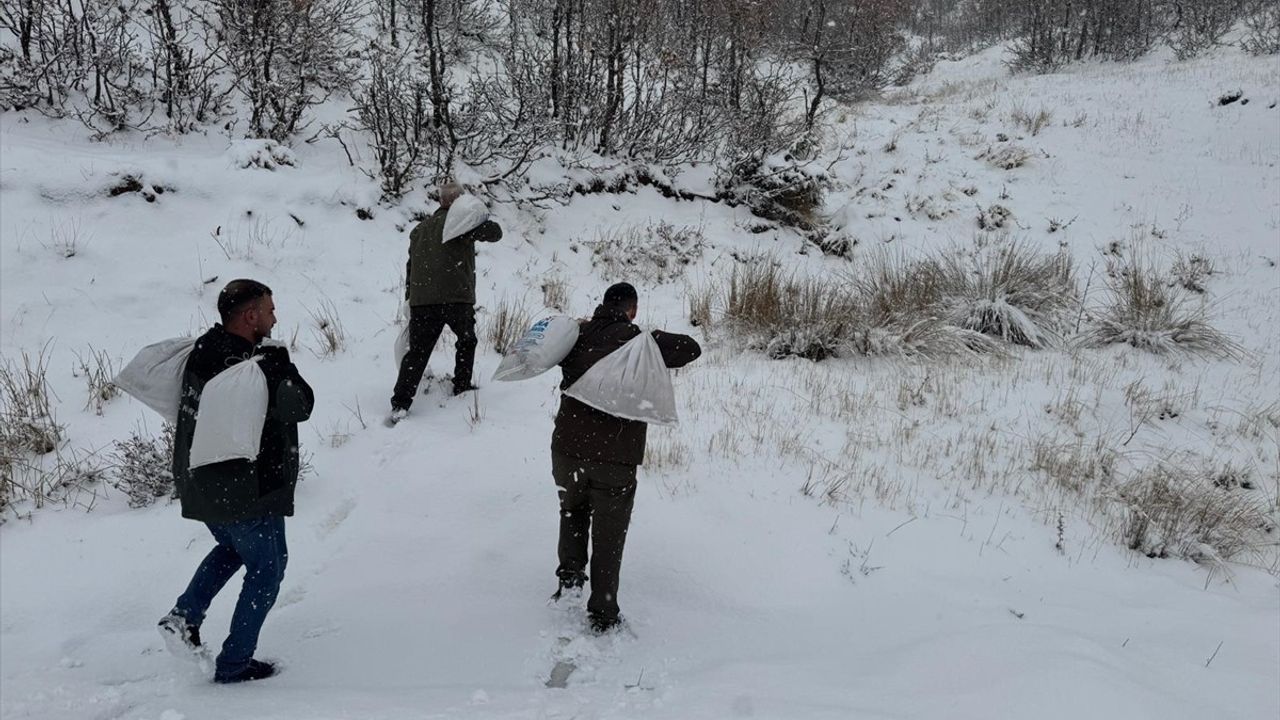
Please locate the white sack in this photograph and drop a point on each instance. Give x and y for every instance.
(154, 375)
(464, 215)
(233, 409)
(541, 348)
(402, 338)
(632, 382)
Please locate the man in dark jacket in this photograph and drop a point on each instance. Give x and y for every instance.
(594, 456)
(242, 502)
(440, 287)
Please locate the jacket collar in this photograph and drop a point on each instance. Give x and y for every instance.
(611, 313)
(234, 342)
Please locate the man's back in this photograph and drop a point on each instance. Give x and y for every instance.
(584, 432)
(441, 273)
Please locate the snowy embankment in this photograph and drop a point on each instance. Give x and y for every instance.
(848, 539)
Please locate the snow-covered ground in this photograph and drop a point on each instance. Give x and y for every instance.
(849, 539)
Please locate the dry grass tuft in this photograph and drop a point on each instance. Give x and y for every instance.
(1146, 310)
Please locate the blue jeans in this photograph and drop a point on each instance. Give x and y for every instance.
(258, 545)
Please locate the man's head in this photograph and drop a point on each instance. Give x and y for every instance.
(247, 309)
(449, 192)
(623, 296)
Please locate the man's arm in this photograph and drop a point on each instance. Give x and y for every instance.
(487, 231)
(677, 350)
(291, 398)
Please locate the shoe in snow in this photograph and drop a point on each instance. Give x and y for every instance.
(257, 670)
(395, 417)
(182, 638)
(604, 624)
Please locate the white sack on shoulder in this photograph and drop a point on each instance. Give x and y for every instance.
(464, 215)
(154, 376)
(541, 348)
(632, 382)
(233, 410)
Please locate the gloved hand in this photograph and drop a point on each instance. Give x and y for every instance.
(274, 362)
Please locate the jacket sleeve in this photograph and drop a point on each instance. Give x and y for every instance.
(487, 231)
(677, 350)
(294, 400)
(291, 398)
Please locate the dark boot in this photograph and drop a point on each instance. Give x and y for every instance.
(257, 670)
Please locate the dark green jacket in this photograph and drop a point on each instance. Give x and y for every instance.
(586, 433)
(438, 272)
(241, 489)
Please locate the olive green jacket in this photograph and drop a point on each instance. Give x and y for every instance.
(438, 272)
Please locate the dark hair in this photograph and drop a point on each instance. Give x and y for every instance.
(622, 294)
(237, 294)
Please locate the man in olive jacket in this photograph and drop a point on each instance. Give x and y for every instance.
(242, 502)
(594, 456)
(440, 287)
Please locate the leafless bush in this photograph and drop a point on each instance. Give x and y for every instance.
(507, 325)
(1179, 512)
(1262, 20)
(66, 476)
(994, 217)
(658, 253)
(393, 106)
(287, 57)
(786, 187)
(1147, 311)
(1191, 271)
(98, 371)
(1011, 292)
(1201, 25)
(143, 467)
(1005, 157)
(1031, 122)
(28, 426)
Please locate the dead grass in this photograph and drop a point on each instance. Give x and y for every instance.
(1011, 292)
(507, 325)
(1169, 511)
(1146, 310)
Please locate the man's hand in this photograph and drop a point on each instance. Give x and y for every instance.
(275, 362)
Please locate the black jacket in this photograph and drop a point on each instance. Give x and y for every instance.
(241, 489)
(586, 433)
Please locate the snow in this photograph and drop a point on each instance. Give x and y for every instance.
(849, 539)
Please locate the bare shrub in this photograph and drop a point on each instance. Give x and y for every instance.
(1031, 122)
(66, 476)
(143, 467)
(507, 326)
(1147, 311)
(658, 253)
(1005, 157)
(1191, 271)
(1262, 21)
(98, 371)
(1175, 511)
(327, 329)
(27, 424)
(1012, 293)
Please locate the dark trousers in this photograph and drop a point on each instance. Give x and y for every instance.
(259, 546)
(426, 322)
(595, 502)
